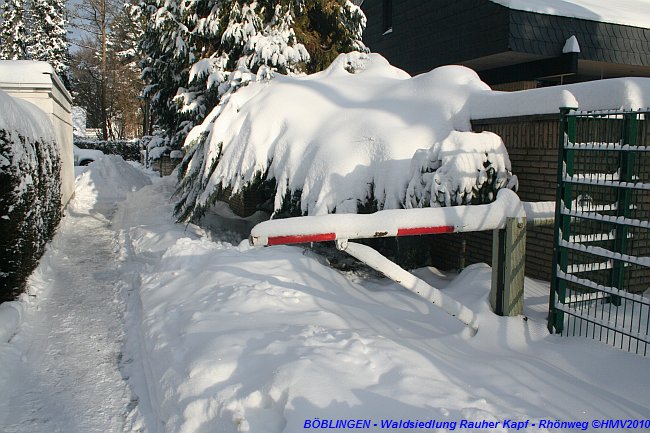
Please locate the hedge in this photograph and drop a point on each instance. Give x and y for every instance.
(129, 150)
(30, 194)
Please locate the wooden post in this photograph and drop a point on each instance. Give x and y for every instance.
(508, 259)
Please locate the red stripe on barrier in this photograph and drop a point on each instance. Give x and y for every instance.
(425, 231)
(301, 239)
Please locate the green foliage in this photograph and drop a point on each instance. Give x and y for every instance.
(13, 32)
(222, 46)
(196, 50)
(30, 206)
(328, 28)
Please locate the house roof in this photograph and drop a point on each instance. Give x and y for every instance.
(516, 40)
(634, 13)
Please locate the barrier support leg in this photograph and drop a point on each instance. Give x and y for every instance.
(508, 259)
(409, 281)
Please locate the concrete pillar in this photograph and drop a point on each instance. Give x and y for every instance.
(508, 260)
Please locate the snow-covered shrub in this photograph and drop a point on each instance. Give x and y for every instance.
(155, 145)
(358, 137)
(30, 191)
(465, 168)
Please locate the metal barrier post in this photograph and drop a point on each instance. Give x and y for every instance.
(508, 259)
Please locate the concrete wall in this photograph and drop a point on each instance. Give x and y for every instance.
(37, 83)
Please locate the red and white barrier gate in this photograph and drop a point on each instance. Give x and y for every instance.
(390, 223)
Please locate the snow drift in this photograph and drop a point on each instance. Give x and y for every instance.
(230, 339)
(631, 93)
(94, 184)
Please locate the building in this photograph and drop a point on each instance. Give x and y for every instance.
(514, 44)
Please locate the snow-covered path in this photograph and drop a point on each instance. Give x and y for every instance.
(63, 369)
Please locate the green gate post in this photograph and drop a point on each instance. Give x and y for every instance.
(567, 133)
(624, 199)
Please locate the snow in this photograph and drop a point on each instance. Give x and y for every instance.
(79, 116)
(81, 155)
(156, 146)
(60, 370)
(373, 137)
(26, 72)
(111, 179)
(356, 142)
(11, 314)
(634, 13)
(389, 222)
(24, 117)
(617, 93)
(571, 45)
(150, 326)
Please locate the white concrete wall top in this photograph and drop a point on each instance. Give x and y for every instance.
(26, 73)
(36, 82)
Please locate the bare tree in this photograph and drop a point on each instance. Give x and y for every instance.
(105, 80)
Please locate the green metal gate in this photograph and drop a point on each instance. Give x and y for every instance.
(601, 260)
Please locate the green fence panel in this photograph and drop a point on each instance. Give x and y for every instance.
(601, 263)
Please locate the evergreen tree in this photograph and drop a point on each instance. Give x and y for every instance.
(47, 41)
(13, 33)
(232, 41)
(166, 48)
(192, 47)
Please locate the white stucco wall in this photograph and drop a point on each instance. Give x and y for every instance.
(37, 83)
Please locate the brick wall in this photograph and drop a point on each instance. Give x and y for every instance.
(532, 145)
(243, 204)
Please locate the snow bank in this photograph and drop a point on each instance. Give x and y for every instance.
(11, 314)
(612, 94)
(110, 179)
(236, 339)
(634, 13)
(346, 136)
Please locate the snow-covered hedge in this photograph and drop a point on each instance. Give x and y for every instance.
(30, 191)
(156, 146)
(127, 149)
(357, 137)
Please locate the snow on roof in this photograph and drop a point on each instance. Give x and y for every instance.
(634, 13)
(618, 93)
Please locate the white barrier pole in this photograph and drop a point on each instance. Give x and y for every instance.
(409, 281)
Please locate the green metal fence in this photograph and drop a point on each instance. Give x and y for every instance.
(601, 260)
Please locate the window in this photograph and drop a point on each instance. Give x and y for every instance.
(387, 14)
